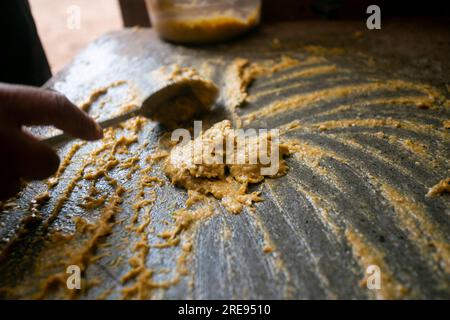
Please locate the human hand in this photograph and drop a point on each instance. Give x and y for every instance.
(23, 156)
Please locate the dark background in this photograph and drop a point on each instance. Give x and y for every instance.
(134, 11)
(281, 10)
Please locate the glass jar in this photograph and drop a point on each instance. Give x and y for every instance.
(203, 21)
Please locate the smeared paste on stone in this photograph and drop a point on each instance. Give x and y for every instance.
(227, 182)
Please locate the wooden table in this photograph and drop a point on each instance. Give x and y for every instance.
(356, 198)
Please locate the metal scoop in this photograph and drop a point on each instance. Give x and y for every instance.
(163, 99)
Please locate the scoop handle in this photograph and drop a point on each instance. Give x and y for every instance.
(58, 139)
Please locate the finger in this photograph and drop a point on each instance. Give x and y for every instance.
(34, 106)
(27, 156)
